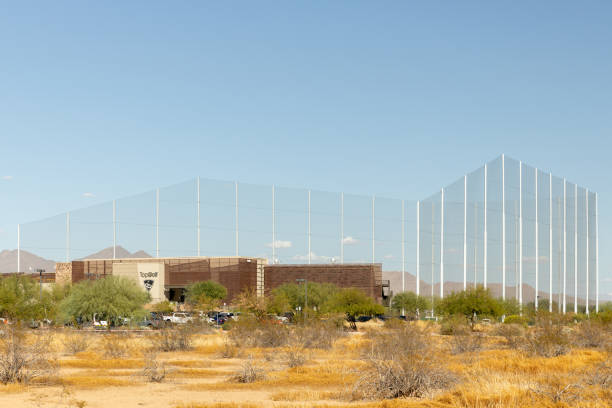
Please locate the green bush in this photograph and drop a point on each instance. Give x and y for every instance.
(516, 319)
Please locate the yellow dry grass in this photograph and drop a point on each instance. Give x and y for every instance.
(82, 381)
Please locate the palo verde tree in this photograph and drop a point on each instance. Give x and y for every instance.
(471, 303)
(290, 296)
(353, 302)
(21, 298)
(411, 303)
(205, 295)
(108, 298)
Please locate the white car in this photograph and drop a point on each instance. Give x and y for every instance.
(178, 317)
(99, 323)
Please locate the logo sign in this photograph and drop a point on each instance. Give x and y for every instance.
(148, 283)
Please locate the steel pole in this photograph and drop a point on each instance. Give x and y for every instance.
(521, 233)
(486, 237)
(198, 214)
(537, 252)
(418, 248)
(309, 243)
(114, 229)
(465, 232)
(442, 244)
(403, 225)
(157, 223)
(575, 248)
(550, 244)
(18, 248)
(503, 227)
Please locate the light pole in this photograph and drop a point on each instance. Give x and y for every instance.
(305, 281)
(40, 272)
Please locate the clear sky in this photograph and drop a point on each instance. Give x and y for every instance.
(100, 100)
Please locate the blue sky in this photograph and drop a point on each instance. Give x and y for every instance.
(393, 98)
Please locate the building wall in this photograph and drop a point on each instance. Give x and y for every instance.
(235, 273)
(63, 273)
(367, 277)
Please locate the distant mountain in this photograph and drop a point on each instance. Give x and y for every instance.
(8, 259)
(8, 262)
(120, 252)
(395, 281)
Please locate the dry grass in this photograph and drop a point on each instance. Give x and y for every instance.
(501, 374)
(81, 381)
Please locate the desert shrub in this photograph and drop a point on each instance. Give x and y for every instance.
(454, 325)
(76, 343)
(601, 376)
(592, 334)
(174, 339)
(229, 350)
(516, 319)
(394, 323)
(413, 376)
(513, 333)
(22, 360)
(295, 356)
(317, 333)
(249, 372)
(548, 339)
(465, 343)
(401, 364)
(604, 317)
(251, 332)
(115, 345)
(410, 339)
(556, 389)
(153, 370)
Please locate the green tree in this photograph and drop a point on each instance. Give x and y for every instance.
(290, 295)
(411, 303)
(21, 299)
(471, 303)
(353, 302)
(109, 299)
(162, 307)
(205, 295)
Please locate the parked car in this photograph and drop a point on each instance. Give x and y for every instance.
(178, 318)
(99, 324)
(153, 320)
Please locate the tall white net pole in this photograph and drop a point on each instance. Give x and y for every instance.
(564, 245)
(465, 232)
(503, 227)
(521, 233)
(442, 244)
(586, 197)
(575, 248)
(273, 225)
(550, 245)
(537, 243)
(157, 223)
(18, 248)
(485, 226)
(341, 228)
(68, 237)
(596, 253)
(418, 248)
(114, 229)
(403, 225)
(198, 213)
(373, 230)
(309, 243)
(236, 215)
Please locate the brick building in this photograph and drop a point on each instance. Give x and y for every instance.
(367, 277)
(167, 278)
